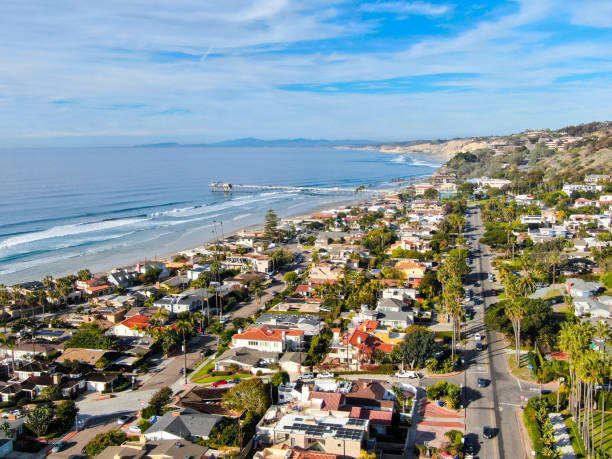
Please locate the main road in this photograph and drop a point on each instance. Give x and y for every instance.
(498, 403)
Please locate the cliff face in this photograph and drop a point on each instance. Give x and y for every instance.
(440, 151)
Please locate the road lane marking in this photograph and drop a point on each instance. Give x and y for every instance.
(519, 384)
(511, 404)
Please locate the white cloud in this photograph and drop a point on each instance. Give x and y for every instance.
(403, 7)
(593, 13)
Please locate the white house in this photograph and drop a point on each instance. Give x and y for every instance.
(401, 294)
(269, 339)
(189, 300)
(195, 272)
(132, 326)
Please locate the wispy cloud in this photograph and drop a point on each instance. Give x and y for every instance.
(289, 68)
(406, 7)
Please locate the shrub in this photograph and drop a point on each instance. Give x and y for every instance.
(101, 441)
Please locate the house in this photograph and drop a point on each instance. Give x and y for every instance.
(160, 449)
(181, 424)
(99, 381)
(95, 287)
(269, 339)
(206, 400)
(34, 385)
(410, 243)
(291, 362)
(287, 452)
(332, 434)
(391, 313)
(410, 268)
(26, 349)
(8, 391)
(311, 325)
(569, 188)
(352, 348)
(34, 368)
(148, 265)
(594, 178)
(579, 288)
(592, 306)
(189, 300)
(485, 182)
(195, 272)
(250, 262)
(246, 359)
(82, 355)
(132, 326)
(403, 294)
(324, 271)
(123, 277)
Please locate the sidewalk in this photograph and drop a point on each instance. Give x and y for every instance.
(562, 439)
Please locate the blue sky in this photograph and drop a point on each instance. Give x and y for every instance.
(122, 72)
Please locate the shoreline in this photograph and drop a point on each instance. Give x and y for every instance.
(167, 257)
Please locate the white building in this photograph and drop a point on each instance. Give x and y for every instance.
(269, 339)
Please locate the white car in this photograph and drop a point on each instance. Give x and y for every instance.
(478, 337)
(406, 374)
(326, 375)
(307, 375)
(134, 428)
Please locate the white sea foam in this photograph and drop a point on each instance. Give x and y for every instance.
(66, 230)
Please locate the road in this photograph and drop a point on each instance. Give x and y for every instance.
(498, 404)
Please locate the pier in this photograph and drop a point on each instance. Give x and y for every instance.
(232, 187)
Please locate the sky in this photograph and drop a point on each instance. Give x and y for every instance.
(117, 72)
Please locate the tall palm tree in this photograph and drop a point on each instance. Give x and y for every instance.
(185, 327)
(602, 332)
(5, 297)
(516, 311)
(11, 343)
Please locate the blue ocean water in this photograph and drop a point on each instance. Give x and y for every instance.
(66, 209)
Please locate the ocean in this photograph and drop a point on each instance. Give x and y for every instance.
(62, 210)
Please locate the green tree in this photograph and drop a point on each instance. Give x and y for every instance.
(270, 226)
(39, 419)
(84, 275)
(150, 276)
(290, 278)
(185, 328)
(51, 393)
(66, 413)
(103, 440)
(160, 399)
(418, 347)
(431, 193)
(251, 395)
(91, 336)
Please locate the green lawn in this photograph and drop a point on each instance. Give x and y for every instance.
(211, 379)
(577, 443)
(522, 372)
(203, 371)
(552, 294)
(607, 439)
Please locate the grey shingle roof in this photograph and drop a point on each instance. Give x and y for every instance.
(188, 423)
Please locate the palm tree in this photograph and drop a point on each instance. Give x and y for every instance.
(185, 327)
(11, 343)
(516, 312)
(602, 332)
(5, 297)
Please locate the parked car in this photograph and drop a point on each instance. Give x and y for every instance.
(479, 346)
(123, 419)
(482, 382)
(221, 382)
(487, 432)
(134, 428)
(58, 446)
(307, 375)
(326, 375)
(478, 337)
(406, 374)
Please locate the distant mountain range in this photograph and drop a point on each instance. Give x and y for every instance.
(254, 142)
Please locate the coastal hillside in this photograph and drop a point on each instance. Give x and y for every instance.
(439, 150)
(564, 154)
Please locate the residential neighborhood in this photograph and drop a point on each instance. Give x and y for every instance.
(408, 325)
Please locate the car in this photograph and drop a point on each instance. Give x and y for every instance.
(123, 419)
(406, 374)
(134, 428)
(482, 382)
(469, 451)
(487, 432)
(221, 382)
(58, 446)
(478, 337)
(326, 375)
(479, 346)
(236, 381)
(307, 375)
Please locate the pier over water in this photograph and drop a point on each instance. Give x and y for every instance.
(232, 187)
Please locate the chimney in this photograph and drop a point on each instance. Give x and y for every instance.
(359, 339)
(336, 332)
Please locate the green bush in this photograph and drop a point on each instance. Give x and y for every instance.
(101, 441)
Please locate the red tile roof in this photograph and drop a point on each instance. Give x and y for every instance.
(266, 334)
(137, 321)
(331, 400)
